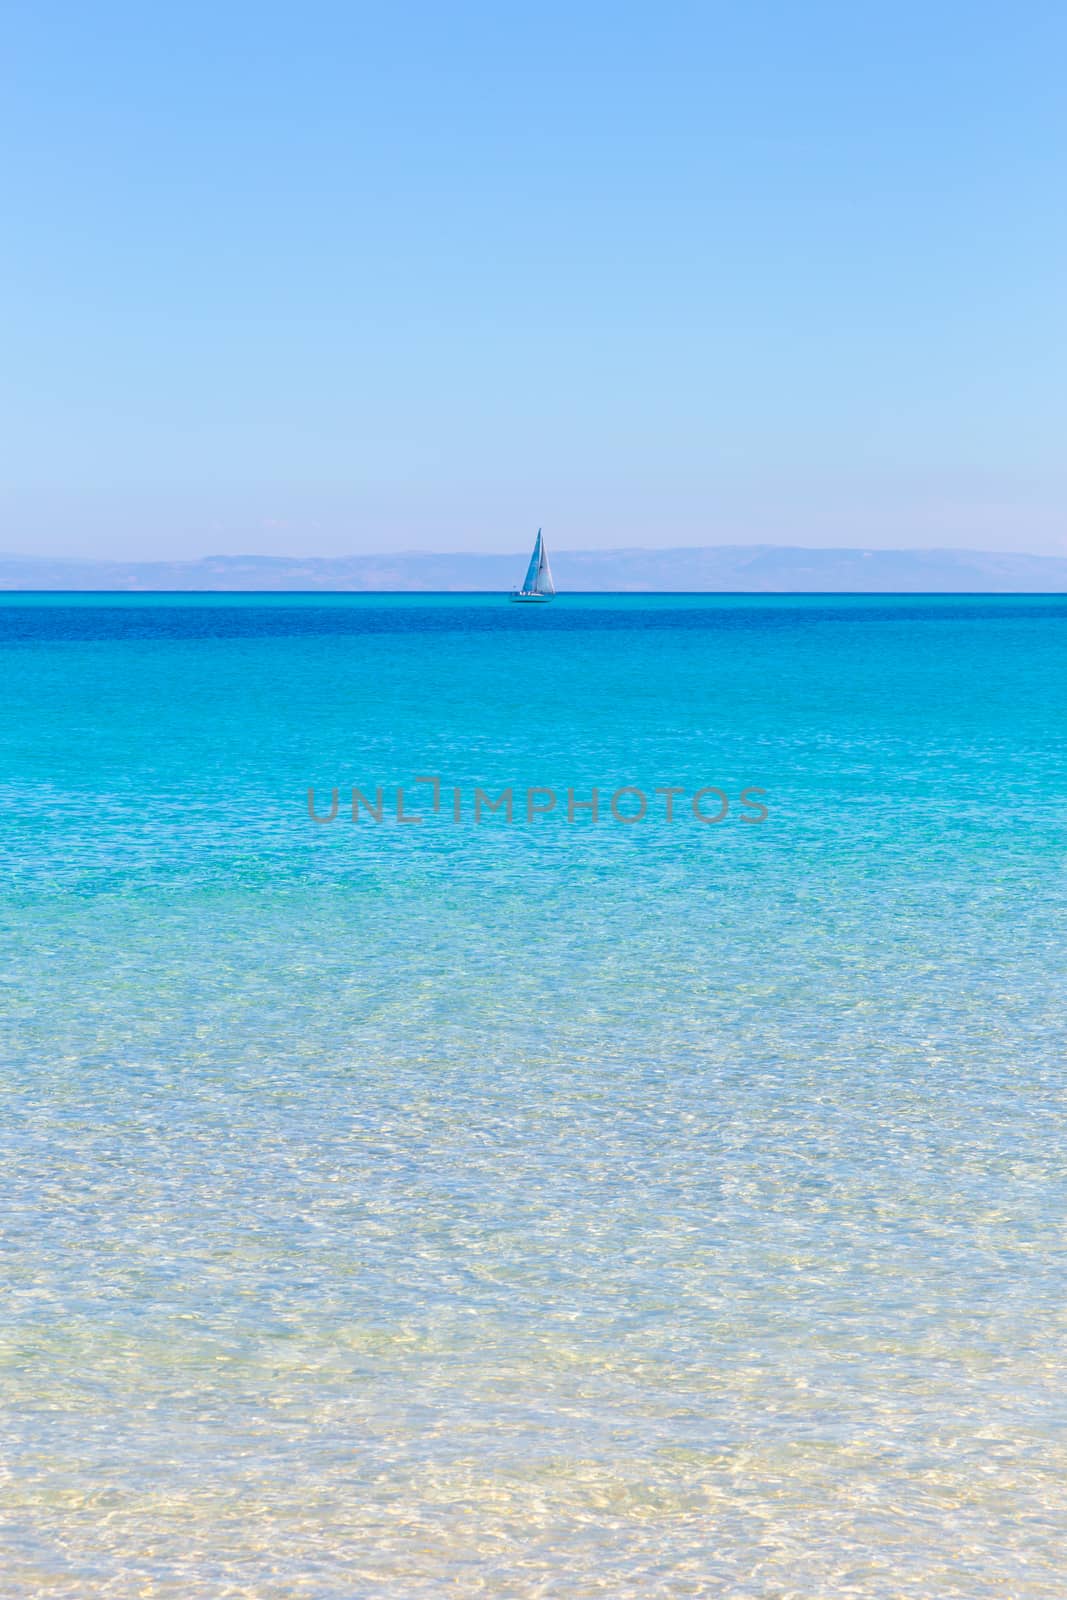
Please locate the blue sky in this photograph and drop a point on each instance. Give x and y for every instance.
(329, 278)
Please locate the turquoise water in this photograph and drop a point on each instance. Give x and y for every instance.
(653, 1209)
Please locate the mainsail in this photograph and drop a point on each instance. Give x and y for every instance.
(538, 578)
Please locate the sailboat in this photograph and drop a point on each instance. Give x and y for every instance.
(537, 586)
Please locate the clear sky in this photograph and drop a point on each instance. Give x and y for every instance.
(320, 278)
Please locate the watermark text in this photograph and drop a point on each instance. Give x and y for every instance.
(625, 806)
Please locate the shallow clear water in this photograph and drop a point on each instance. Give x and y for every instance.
(536, 1209)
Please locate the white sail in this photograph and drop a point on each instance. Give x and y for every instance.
(543, 582)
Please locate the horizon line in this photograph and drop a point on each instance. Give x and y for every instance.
(597, 594)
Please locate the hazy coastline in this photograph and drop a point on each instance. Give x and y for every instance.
(758, 569)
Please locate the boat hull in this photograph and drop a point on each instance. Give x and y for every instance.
(530, 599)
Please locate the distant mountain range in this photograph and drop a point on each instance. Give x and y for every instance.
(758, 569)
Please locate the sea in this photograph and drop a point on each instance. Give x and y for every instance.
(662, 1202)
